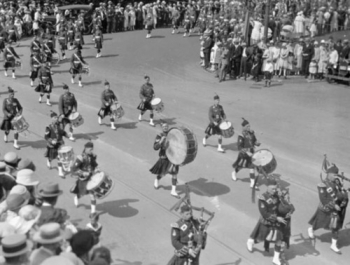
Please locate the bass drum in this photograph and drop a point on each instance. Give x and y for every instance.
(265, 160)
(181, 146)
(100, 185)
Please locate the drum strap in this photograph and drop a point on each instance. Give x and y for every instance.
(10, 51)
(78, 58)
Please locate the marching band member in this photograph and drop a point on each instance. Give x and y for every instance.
(84, 167)
(54, 138)
(11, 108)
(70, 34)
(269, 225)
(35, 46)
(48, 50)
(63, 40)
(184, 238)
(46, 83)
(146, 95)
(149, 25)
(78, 39)
(163, 165)
(67, 104)
(98, 41)
(108, 98)
(216, 116)
(10, 59)
(246, 143)
(77, 62)
(35, 64)
(330, 213)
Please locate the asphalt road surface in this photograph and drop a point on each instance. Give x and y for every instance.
(298, 121)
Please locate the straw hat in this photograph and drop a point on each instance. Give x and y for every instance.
(15, 245)
(15, 202)
(57, 260)
(50, 190)
(26, 177)
(48, 234)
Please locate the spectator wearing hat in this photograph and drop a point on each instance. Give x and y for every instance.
(28, 179)
(84, 167)
(108, 99)
(49, 194)
(345, 51)
(308, 52)
(215, 57)
(67, 104)
(7, 181)
(333, 58)
(17, 189)
(82, 242)
(101, 256)
(50, 237)
(224, 64)
(26, 164)
(15, 249)
(54, 138)
(11, 160)
(11, 108)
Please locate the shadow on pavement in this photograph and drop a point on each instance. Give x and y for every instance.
(128, 125)
(92, 83)
(231, 146)
(203, 187)
(237, 262)
(87, 136)
(124, 262)
(118, 208)
(304, 248)
(343, 241)
(157, 37)
(41, 144)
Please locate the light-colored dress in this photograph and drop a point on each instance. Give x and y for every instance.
(126, 19)
(298, 55)
(255, 37)
(132, 16)
(324, 57)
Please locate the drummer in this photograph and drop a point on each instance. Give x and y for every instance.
(67, 104)
(11, 108)
(54, 138)
(216, 116)
(146, 95)
(46, 83)
(84, 167)
(246, 145)
(108, 98)
(163, 165)
(77, 63)
(10, 57)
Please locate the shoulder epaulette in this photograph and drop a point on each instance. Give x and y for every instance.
(261, 197)
(175, 225)
(80, 157)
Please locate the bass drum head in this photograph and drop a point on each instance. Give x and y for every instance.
(73, 116)
(65, 149)
(155, 101)
(262, 157)
(95, 181)
(225, 125)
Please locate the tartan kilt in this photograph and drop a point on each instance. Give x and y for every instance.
(321, 219)
(79, 188)
(70, 37)
(41, 88)
(175, 260)
(51, 153)
(2, 45)
(262, 231)
(9, 64)
(268, 75)
(63, 45)
(65, 121)
(243, 161)
(163, 167)
(33, 74)
(103, 112)
(149, 27)
(98, 45)
(213, 129)
(6, 125)
(143, 106)
(77, 70)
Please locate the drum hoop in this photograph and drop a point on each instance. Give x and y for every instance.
(258, 151)
(64, 149)
(229, 125)
(73, 116)
(156, 101)
(102, 179)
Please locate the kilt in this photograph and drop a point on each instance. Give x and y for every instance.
(243, 161)
(149, 27)
(63, 45)
(51, 152)
(98, 45)
(76, 70)
(103, 112)
(143, 106)
(42, 88)
(12, 37)
(33, 74)
(2, 45)
(213, 129)
(175, 260)
(163, 167)
(6, 125)
(268, 75)
(70, 37)
(9, 64)
(79, 188)
(65, 121)
(286, 231)
(322, 219)
(261, 233)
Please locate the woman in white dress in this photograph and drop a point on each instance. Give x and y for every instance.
(283, 61)
(324, 58)
(276, 57)
(298, 56)
(255, 37)
(132, 16)
(126, 19)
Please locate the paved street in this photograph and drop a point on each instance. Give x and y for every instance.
(298, 121)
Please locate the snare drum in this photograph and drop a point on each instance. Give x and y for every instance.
(181, 146)
(157, 105)
(100, 185)
(227, 130)
(66, 157)
(55, 58)
(18, 64)
(76, 119)
(86, 70)
(264, 158)
(19, 124)
(117, 110)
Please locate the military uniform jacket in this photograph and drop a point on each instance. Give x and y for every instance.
(160, 146)
(76, 61)
(247, 141)
(44, 74)
(85, 163)
(184, 231)
(268, 208)
(328, 196)
(216, 113)
(62, 37)
(11, 107)
(54, 132)
(67, 103)
(35, 62)
(147, 92)
(35, 46)
(10, 54)
(108, 96)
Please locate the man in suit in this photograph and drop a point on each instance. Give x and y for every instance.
(49, 194)
(206, 46)
(49, 236)
(236, 58)
(308, 53)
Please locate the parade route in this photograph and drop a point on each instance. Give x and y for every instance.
(298, 121)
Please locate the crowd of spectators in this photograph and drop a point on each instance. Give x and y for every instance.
(33, 230)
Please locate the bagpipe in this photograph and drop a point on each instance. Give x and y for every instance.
(204, 224)
(340, 178)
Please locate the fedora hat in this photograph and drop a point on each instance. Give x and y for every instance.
(20, 190)
(48, 234)
(57, 260)
(16, 201)
(50, 190)
(15, 245)
(26, 177)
